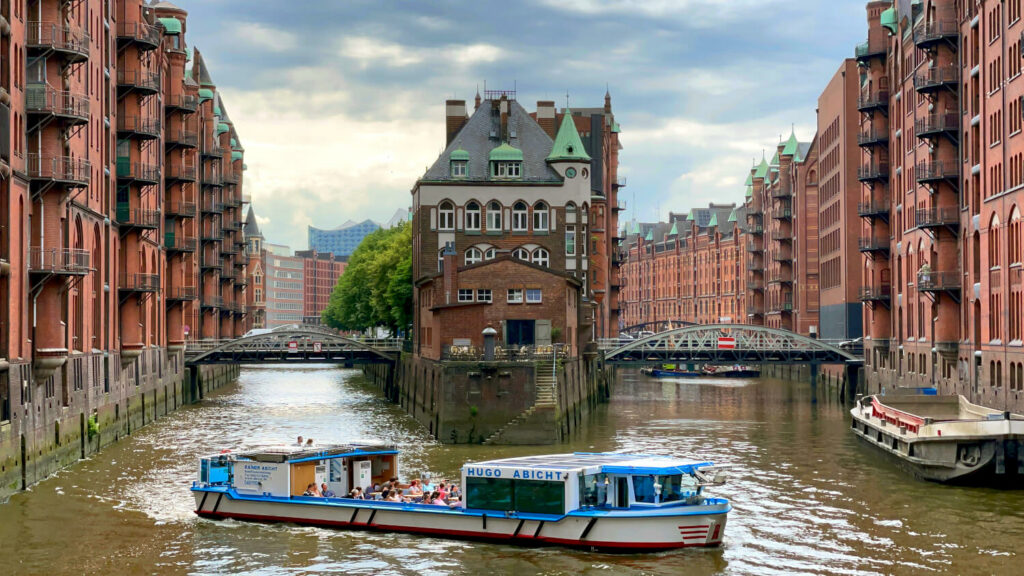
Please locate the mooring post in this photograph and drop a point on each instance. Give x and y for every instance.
(814, 383)
(852, 381)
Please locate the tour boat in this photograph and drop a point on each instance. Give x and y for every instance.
(945, 438)
(599, 501)
(673, 371)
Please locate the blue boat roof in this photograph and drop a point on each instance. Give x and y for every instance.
(307, 453)
(609, 462)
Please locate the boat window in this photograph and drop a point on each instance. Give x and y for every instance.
(593, 490)
(215, 471)
(643, 489)
(489, 494)
(540, 497)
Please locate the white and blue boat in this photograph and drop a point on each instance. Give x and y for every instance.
(599, 501)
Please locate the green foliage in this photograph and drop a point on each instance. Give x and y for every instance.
(556, 334)
(92, 427)
(376, 288)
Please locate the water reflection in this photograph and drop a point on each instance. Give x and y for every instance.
(807, 496)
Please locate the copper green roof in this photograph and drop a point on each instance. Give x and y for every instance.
(750, 179)
(222, 128)
(732, 216)
(689, 217)
(636, 227)
(775, 159)
(236, 155)
(216, 110)
(171, 25)
(650, 235)
(234, 142)
(762, 169)
(792, 146)
(568, 145)
(674, 231)
(750, 191)
(888, 20)
(615, 127)
(460, 154)
(506, 152)
(714, 220)
(205, 94)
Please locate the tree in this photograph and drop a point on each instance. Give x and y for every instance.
(376, 288)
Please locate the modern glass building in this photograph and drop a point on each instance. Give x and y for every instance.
(340, 241)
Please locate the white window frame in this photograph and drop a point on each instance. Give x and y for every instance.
(493, 216)
(570, 240)
(473, 256)
(459, 168)
(465, 294)
(541, 257)
(446, 216)
(540, 217)
(521, 254)
(473, 216)
(490, 254)
(484, 295)
(514, 296)
(520, 217)
(534, 296)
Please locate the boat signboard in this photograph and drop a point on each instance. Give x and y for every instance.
(726, 343)
(261, 477)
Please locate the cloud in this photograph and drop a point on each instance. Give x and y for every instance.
(698, 13)
(264, 37)
(367, 52)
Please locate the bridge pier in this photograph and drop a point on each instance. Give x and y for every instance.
(814, 383)
(852, 381)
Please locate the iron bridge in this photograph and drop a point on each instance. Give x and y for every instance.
(726, 344)
(293, 347)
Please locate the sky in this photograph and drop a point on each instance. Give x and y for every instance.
(339, 104)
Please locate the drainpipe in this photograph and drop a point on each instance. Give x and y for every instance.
(1004, 277)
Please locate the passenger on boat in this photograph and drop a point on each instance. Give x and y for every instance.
(457, 503)
(356, 493)
(325, 491)
(427, 486)
(312, 490)
(415, 492)
(437, 500)
(309, 443)
(299, 442)
(394, 496)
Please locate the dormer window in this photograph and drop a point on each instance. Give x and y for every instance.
(506, 162)
(506, 169)
(459, 163)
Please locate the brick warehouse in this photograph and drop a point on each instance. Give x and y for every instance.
(118, 165)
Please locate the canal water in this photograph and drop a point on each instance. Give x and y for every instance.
(808, 498)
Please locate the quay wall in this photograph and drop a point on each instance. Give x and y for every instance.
(832, 379)
(89, 403)
(474, 402)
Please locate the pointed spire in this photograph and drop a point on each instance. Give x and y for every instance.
(732, 216)
(568, 146)
(714, 220)
(650, 235)
(689, 216)
(674, 231)
(792, 147)
(476, 102)
(762, 168)
(607, 100)
(251, 227)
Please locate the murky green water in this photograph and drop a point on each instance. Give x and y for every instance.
(808, 497)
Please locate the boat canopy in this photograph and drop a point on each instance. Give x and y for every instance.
(304, 454)
(584, 463)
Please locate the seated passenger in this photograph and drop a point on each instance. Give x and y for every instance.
(435, 498)
(356, 493)
(311, 490)
(458, 503)
(414, 489)
(394, 496)
(326, 492)
(442, 491)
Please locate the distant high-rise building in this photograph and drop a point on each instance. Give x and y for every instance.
(400, 216)
(343, 240)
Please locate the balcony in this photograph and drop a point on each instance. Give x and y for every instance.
(180, 209)
(871, 245)
(233, 226)
(783, 256)
(928, 35)
(782, 236)
(755, 246)
(755, 309)
(181, 139)
(179, 244)
(180, 294)
(783, 213)
(134, 218)
(755, 266)
(881, 293)
(934, 125)
(783, 307)
(60, 261)
(211, 261)
(135, 283)
(212, 151)
(137, 172)
(181, 103)
(937, 171)
(211, 178)
(871, 48)
(141, 81)
(58, 169)
(229, 249)
(755, 284)
(869, 101)
(935, 79)
(211, 302)
(872, 137)
(228, 275)
(231, 178)
(939, 282)
(874, 208)
(873, 171)
(143, 35)
(941, 217)
(782, 192)
(138, 127)
(756, 228)
(212, 235)
(211, 207)
(755, 211)
(180, 173)
(46, 37)
(780, 277)
(44, 102)
(232, 201)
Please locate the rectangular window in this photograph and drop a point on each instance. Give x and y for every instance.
(539, 497)
(489, 494)
(570, 240)
(483, 295)
(458, 168)
(515, 296)
(533, 296)
(465, 295)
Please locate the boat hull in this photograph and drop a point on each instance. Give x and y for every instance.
(587, 530)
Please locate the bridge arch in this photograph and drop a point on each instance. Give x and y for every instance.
(750, 345)
(276, 347)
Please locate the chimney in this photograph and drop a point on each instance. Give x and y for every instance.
(454, 118)
(546, 116)
(451, 272)
(504, 106)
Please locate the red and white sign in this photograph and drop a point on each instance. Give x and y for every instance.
(293, 346)
(726, 343)
(317, 347)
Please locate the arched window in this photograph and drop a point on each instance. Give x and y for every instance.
(472, 216)
(541, 257)
(521, 253)
(519, 217)
(493, 217)
(570, 212)
(446, 216)
(440, 260)
(490, 253)
(540, 217)
(473, 255)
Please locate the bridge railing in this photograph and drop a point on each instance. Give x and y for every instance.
(505, 353)
(305, 342)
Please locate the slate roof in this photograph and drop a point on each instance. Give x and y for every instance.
(251, 228)
(475, 138)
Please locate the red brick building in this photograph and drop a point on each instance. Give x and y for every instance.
(320, 274)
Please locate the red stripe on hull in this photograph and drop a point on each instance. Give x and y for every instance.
(473, 535)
